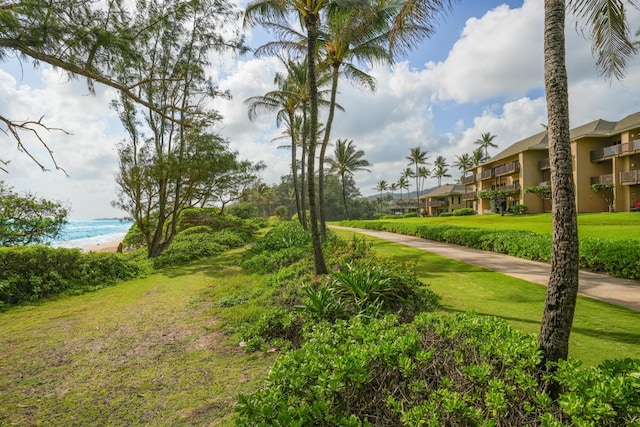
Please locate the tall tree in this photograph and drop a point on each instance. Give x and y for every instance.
(286, 101)
(606, 22)
(381, 186)
(403, 184)
(477, 156)
(95, 40)
(417, 157)
(168, 166)
(345, 161)
(441, 169)
(485, 141)
(463, 162)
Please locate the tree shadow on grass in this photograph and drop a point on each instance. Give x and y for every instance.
(214, 266)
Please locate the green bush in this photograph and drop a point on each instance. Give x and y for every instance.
(189, 247)
(409, 215)
(618, 258)
(519, 209)
(464, 211)
(444, 214)
(457, 370)
(28, 273)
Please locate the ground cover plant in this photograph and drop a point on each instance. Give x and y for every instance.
(600, 331)
(602, 255)
(438, 369)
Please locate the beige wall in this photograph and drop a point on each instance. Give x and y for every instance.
(586, 199)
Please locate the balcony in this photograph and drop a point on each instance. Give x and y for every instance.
(468, 180)
(484, 175)
(602, 179)
(507, 169)
(469, 196)
(605, 153)
(437, 203)
(544, 164)
(630, 177)
(515, 187)
(544, 184)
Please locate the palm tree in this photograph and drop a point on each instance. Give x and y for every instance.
(611, 41)
(423, 174)
(381, 186)
(485, 141)
(416, 158)
(463, 162)
(403, 183)
(286, 101)
(478, 156)
(345, 161)
(352, 34)
(441, 169)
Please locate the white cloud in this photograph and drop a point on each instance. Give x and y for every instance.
(491, 81)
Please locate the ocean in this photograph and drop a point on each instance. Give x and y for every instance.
(86, 234)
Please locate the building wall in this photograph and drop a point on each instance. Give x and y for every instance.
(531, 176)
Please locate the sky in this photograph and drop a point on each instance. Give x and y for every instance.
(481, 72)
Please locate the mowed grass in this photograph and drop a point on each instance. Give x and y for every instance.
(601, 331)
(616, 226)
(144, 352)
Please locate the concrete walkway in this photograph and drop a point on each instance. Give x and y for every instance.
(622, 292)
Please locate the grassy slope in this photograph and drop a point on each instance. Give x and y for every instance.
(601, 331)
(145, 352)
(617, 226)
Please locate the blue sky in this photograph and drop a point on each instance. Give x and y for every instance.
(481, 72)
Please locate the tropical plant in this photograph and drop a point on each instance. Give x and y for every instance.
(381, 186)
(403, 183)
(441, 169)
(416, 158)
(478, 156)
(485, 142)
(346, 161)
(463, 162)
(610, 35)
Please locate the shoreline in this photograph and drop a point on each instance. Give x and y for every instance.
(109, 245)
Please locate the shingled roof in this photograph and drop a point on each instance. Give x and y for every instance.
(445, 190)
(596, 128)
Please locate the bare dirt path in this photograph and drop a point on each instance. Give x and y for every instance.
(622, 292)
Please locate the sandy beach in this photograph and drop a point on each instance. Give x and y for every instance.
(103, 246)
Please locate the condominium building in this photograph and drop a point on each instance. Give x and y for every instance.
(446, 198)
(603, 152)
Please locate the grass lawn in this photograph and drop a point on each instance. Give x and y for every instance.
(601, 331)
(616, 226)
(144, 352)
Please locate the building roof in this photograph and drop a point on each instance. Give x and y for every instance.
(445, 190)
(538, 141)
(598, 127)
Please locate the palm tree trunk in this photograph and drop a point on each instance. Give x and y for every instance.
(311, 22)
(325, 142)
(305, 144)
(562, 292)
(294, 166)
(344, 197)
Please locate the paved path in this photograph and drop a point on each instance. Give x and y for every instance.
(622, 292)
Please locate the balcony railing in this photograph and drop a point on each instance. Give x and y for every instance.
(630, 177)
(605, 153)
(507, 169)
(602, 179)
(544, 184)
(484, 175)
(509, 187)
(544, 164)
(437, 203)
(469, 196)
(468, 180)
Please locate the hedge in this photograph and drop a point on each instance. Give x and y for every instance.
(619, 258)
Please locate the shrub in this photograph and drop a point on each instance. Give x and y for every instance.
(440, 370)
(464, 211)
(28, 273)
(446, 214)
(519, 209)
(409, 215)
(189, 247)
